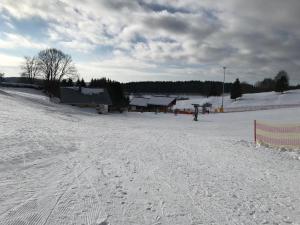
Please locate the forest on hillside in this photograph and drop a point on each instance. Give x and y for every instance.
(206, 88)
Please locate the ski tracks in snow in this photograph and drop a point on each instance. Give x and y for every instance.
(67, 167)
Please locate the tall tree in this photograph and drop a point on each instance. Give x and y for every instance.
(78, 83)
(236, 90)
(30, 69)
(281, 81)
(54, 65)
(82, 83)
(70, 82)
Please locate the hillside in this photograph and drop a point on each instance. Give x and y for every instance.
(247, 101)
(65, 165)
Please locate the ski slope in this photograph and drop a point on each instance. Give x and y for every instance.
(65, 165)
(247, 102)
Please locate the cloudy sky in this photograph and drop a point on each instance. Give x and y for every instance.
(157, 39)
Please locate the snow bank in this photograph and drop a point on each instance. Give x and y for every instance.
(257, 101)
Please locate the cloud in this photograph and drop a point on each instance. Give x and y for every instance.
(254, 39)
(13, 41)
(9, 61)
(10, 65)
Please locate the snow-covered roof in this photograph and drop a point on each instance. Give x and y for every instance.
(139, 101)
(153, 100)
(160, 100)
(91, 91)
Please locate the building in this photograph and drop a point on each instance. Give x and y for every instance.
(86, 97)
(139, 104)
(152, 104)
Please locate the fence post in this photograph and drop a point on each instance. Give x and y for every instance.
(255, 132)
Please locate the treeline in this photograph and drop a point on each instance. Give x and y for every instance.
(207, 88)
(279, 83)
(52, 68)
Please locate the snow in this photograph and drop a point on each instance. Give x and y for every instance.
(160, 100)
(65, 165)
(139, 101)
(247, 101)
(92, 91)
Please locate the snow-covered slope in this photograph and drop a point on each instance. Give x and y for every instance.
(65, 165)
(247, 100)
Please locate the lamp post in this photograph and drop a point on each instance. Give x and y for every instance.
(222, 107)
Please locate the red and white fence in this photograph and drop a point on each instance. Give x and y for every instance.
(277, 135)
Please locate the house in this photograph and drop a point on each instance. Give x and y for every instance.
(86, 97)
(139, 104)
(152, 104)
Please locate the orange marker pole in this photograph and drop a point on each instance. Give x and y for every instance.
(255, 131)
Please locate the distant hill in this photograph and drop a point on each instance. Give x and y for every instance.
(21, 80)
(206, 88)
(248, 102)
(12, 79)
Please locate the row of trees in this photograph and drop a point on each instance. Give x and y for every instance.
(70, 83)
(57, 69)
(210, 88)
(279, 84)
(206, 88)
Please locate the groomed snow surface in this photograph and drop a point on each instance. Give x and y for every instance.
(65, 165)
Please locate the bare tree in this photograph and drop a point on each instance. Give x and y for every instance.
(30, 68)
(54, 65)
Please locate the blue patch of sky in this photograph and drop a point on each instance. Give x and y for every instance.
(139, 39)
(103, 51)
(210, 14)
(4, 27)
(283, 35)
(34, 27)
(19, 52)
(160, 8)
(100, 52)
(165, 39)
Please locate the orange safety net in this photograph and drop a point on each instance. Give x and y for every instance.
(277, 135)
